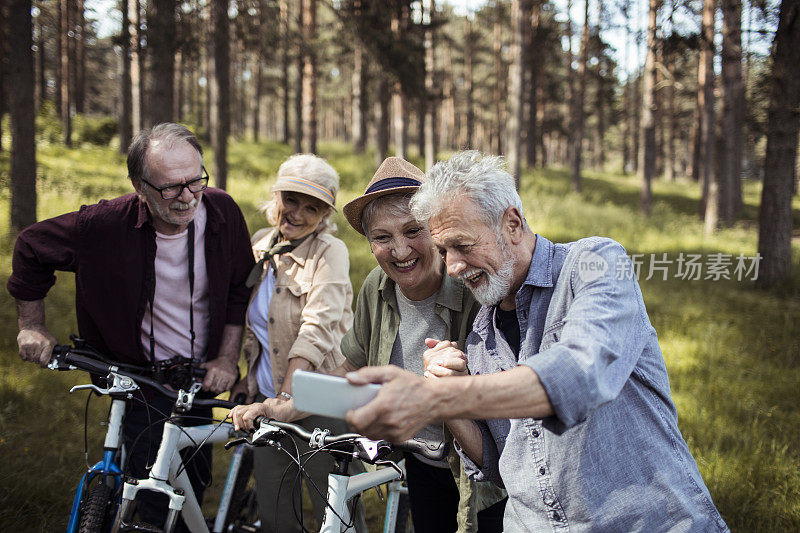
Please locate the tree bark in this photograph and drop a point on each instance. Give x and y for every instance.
(285, 43)
(125, 130)
(80, 57)
(520, 20)
(309, 25)
(499, 97)
(64, 88)
(468, 59)
(299, 84)
(161, 44)
(575, 148)
(382, 111)
(360, 101)
(220, 108)
(534, 91)
(23, 145)
(775, 217)
(429, 105)
(647, 129)
(733, 108)
(136, 67)
(705, 102)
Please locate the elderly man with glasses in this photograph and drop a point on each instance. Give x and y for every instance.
(159, 273)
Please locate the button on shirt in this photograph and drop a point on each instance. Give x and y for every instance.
(611, 458)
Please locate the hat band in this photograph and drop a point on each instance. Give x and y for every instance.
(392, 183)
(308, 184)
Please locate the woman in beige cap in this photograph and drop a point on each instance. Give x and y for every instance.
(299, 310)
(404, 300)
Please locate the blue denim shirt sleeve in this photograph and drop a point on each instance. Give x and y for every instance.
(491, 457)
(588, 356)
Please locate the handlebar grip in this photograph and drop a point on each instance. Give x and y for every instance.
(435, 451)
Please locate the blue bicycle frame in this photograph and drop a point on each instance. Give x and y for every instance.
(106, 468)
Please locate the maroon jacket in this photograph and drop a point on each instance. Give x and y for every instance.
(111, 248)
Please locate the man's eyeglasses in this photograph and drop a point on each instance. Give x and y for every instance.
(173, 191)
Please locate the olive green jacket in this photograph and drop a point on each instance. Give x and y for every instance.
(369, 343)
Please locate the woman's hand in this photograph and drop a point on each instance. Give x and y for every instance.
(443, 358)
(272, 408)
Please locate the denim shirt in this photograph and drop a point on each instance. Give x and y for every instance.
(611, 458)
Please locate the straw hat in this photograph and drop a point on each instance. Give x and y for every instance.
(305, 186)
(395, 175)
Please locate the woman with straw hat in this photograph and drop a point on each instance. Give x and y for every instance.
(300, 308)
(403, 301)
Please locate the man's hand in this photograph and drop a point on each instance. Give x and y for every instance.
(36, 344)
(240, 389)
(221, 374)
(273, 408)
(443, 358)
(402, 407)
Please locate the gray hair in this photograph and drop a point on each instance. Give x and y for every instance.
(168, 133)
(481, 178)
(396, 205)
(312, 168)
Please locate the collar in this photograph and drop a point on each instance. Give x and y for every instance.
(540, 271)
(451, 292)
(540, 274)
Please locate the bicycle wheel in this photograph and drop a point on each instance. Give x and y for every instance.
(243, 510)
(96, 510)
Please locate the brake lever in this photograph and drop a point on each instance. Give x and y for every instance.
(89, 386)
(235, 442)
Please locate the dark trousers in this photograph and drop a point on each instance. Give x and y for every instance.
(142, 443)
(433, 498)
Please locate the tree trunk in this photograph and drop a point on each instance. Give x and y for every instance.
(382, 105)
(40, 64)
(309, 22)
(647, 130)
(520, 19)
(535, 89)
(161, 44)
(23, 142)
(3, 72)
(220, 107)
(775, 217)
(66, 95)
(257, 97)
(468, 59)
(80, 57)
(429, 105)
(497, 46)
(285, 43)
(733, 108)
(125, 132)
(360, 101)
(135, 64)
(576, 108)
(299, 85)
(705, 102)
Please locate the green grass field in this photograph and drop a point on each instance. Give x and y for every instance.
(732, 351)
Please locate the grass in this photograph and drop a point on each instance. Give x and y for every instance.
(731, 351)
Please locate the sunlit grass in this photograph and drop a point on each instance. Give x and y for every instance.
(731, 351)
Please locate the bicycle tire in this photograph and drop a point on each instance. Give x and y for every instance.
(96, 515)
(243, 510)
(403, 524)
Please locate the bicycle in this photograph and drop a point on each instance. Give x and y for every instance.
(94, 509)
(343, 488)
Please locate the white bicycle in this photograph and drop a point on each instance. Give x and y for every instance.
(168, 475)
(342, 487)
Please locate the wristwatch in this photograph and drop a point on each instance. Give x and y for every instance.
(286, 395)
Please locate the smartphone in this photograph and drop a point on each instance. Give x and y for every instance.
(329, 395)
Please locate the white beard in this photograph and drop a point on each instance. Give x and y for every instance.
(497, 285)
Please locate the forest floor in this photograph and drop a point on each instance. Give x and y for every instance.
(732, 351)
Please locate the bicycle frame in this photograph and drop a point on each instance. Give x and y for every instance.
(164, 477)
(342, 489)
(107, 468)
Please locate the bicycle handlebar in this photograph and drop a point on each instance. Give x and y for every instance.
(268, 430)
(66, 356)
